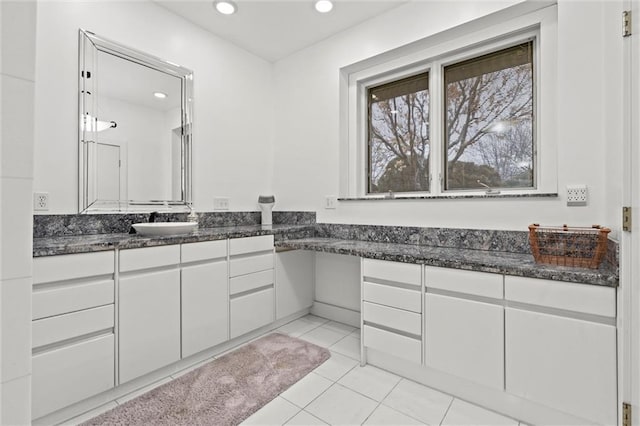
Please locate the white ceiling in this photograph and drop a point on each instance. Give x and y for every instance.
(274, 29)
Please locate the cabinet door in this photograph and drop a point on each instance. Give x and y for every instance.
(205, 302)
(149, 322)
(71, 373)
(465, 338)
(251, 311)
(294, 282)
(565, 363)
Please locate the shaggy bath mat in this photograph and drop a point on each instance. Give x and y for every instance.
(224, 391)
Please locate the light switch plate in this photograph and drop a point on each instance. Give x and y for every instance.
(331, 202)
(221, 203)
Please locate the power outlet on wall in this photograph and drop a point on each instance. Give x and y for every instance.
(576, 195)
(41, 201)
(221, 203)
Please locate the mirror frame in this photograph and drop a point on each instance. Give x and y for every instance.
(84, 179)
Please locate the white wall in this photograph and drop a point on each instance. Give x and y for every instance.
(233, 99)
(17, 58)
(589, 120)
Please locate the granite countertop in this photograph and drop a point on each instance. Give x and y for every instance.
(52, 246)
(516, 264)
(299, 237)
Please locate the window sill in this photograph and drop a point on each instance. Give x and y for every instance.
(449, 197)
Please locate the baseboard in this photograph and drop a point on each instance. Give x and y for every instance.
(492, 399)
(336, 313)
(157, 377)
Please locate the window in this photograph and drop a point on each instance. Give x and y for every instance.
(398, 148)
(460, 113)
(489, 120)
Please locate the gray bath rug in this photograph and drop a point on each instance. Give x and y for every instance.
(224, 391)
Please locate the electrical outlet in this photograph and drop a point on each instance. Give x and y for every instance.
(221, 203)
(576, 195)
(41, 201)
(331, 202)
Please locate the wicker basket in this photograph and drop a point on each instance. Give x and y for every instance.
(569, 246)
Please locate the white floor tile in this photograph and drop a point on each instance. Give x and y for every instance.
(298, 327)
(339, 327)
(420, 402)
(463, 413)
(336, 366)
(315, 319)
(144, 390)
(322, 336)
(90, 414)
(305, 419)
(339, 405)
(306, 390)
(370, 381)
(349, 346)
(276, 412)
(384, 415)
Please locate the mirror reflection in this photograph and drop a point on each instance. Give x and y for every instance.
(134, 129)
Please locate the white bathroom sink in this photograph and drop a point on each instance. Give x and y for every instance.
(165, 228)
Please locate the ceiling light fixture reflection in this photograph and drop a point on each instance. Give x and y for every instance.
(226, 7)
(324, 6)
(160, 95)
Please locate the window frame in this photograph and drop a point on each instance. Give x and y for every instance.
(429, 56)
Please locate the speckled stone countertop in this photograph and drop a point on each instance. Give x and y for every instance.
(504, 252)
(517, 264)
(52, 246)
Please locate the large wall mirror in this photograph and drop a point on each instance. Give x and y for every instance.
(135, 129)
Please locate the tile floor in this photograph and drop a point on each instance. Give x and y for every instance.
(340, 392)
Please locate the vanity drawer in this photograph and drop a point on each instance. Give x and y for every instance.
(250, 244)
(393, 296)
(394, 344)
(589, 299)
(398, 319)
(56, 268)
(469, 282)
(69, 374)
(149, 257)
(251, 311)
(249, 264)
(406, 273)
(205, 250)
(250, 281)
(63, 327)
(51, 301)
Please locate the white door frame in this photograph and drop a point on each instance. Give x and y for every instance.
(629, 290)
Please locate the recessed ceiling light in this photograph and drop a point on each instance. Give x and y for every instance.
(226, 7)
(324, 6)
(160, 95)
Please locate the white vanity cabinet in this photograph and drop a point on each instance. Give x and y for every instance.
(563, 355)
(73, 329)
(149, 310)
(294, 275)
(251, 289)
(464, 324)
(392, 308)
(204, 296)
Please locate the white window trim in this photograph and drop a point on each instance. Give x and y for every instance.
(432, 54)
